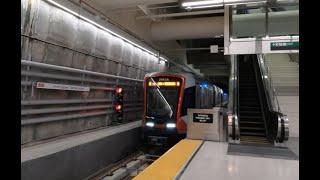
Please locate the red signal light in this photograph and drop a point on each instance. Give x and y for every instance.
(118, 107)
(119, 90)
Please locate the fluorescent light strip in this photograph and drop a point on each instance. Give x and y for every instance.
(217, 3)
(199, 3)
(200, 7)
(101, 27)
(162, 58)
(233, 2)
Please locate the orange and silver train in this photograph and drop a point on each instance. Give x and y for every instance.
(167, 96)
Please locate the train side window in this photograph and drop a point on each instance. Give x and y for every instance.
(188, 100)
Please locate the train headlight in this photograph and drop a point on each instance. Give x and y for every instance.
(171, 125)
(150, 124)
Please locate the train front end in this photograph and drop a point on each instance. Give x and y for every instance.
(162, 108)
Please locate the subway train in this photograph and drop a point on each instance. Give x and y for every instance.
(167, 96)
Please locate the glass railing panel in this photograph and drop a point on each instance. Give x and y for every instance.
(283, 20)
(261, 20)
(248, 21)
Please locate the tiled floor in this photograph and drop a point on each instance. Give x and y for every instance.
(293, 144)
(212, 163)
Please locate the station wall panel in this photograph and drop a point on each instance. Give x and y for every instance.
(53, 36)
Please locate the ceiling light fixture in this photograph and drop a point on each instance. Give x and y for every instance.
(202, 3)
(238, 2)
(200, 7)
(197, 4)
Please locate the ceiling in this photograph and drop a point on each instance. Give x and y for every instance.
(213, 66)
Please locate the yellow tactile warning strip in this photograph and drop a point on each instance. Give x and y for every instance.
(170, 163)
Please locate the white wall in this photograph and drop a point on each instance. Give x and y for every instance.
(290, 106)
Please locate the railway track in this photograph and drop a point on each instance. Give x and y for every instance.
(131, 165)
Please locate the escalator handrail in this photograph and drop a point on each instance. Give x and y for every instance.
(237, 117)
(270, 89)
(281, 119)
(233, 120)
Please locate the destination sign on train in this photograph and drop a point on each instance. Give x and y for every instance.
(164, 83)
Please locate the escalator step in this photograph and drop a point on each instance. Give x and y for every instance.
(248, 93)
(254, 142)
(249, 107)
(249, 104)
(253, 128)
(253, 138)
(252, 133)
(244, 98)
(253, 104)
(250, 112)
(250, 117)
(247, 87)
(251, 122)
(263, 141)
(248, 98)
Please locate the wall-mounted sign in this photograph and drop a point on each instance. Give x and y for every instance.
(43, 85)
(293, 45)
(202, 118)
(214, 49)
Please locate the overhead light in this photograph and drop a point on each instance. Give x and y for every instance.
(197, 4)
(150, 124)
(200, 7)
(163, 59)
(171, 125)
(101, 27)
(238, 2)
(201, 3)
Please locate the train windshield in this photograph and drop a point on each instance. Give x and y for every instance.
(162, 97)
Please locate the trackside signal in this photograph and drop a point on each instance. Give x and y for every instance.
(118, 106)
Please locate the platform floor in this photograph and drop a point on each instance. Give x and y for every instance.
(172, 162)
(212, 162)
(293, 145)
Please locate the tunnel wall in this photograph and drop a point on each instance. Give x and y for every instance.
(50, 35)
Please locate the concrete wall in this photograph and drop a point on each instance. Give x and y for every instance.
(81, 161)
(51, 35)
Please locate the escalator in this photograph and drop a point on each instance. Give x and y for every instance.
(256, 116)
(251, 119)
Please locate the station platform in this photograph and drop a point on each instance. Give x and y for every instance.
(78, 156)
(202, 160)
